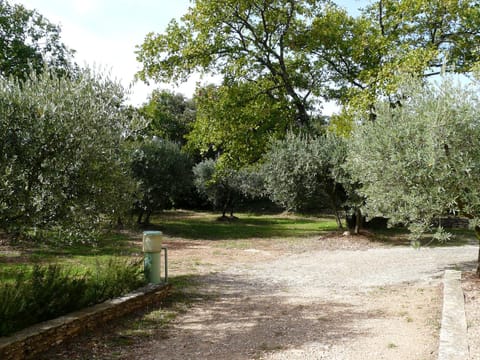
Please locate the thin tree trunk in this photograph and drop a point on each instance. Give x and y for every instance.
(140, 215)
(358, 221)
(147, 218)
(338, 219)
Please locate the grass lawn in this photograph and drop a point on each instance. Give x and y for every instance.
(192, 225)
(179, 224)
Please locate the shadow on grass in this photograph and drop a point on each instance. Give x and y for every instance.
(245, 227)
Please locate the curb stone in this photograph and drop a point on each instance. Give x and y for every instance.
(453, 332)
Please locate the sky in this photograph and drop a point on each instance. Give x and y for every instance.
(104, 34)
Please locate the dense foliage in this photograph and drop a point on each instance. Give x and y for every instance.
(62, 164)
(170, 116)
(51, 291)
(421, 160)
(237, 121)
(29, 41)
(299, 172)
(164, 174)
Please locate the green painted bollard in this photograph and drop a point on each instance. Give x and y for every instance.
(152, 247)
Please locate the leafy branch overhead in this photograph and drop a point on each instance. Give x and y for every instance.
(242, 41)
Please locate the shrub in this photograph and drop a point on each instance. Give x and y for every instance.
(49, 291)
(62, 163)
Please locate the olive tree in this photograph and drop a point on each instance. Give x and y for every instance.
(219, 184)
(421, 160)
(301, 169)
(164, 175)
(62, 159)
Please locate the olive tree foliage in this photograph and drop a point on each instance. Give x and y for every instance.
(302, 168)
(62, 160)
(422, 159)
(217, 185)
(29, 41)
(224, 187)
(164, 174)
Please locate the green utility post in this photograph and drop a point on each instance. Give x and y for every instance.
(152, 247)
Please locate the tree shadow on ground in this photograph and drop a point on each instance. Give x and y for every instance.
(230, 318)
(243, 228)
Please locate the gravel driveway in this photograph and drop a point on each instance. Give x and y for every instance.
(337, 299)
(380, 303)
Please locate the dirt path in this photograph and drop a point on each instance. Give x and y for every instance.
(381, 303)
(332, 299)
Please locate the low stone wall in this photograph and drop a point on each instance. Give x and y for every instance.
(27, 343)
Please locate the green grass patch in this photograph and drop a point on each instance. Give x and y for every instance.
(247, 226)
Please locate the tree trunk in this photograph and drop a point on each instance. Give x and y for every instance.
(140, 215)
(338, 219)
(358, 221)
(147, 218)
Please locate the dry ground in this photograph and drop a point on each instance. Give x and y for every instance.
(332, 297)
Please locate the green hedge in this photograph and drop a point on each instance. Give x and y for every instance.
(49, 291)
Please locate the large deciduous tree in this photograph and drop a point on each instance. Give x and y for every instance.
(170, 115)
(365, 56)
(242, 40)
(237, 122)
(28, 40)
(422, 159)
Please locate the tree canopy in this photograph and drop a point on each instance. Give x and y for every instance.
(302, 52)
(170, 115)
(237, 122)
(29, 41)
(242, 40)
(62, 164)
(365, 56)
(421, 160)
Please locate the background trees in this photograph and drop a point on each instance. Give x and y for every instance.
(171, 116)
(164, 175)
(29, 41)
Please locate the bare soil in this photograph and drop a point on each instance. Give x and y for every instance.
(335, 297)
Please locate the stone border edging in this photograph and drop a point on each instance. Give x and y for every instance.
(27, 343)
(453, 332)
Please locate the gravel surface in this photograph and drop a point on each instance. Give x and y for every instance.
(346, 303)
(380, 303)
